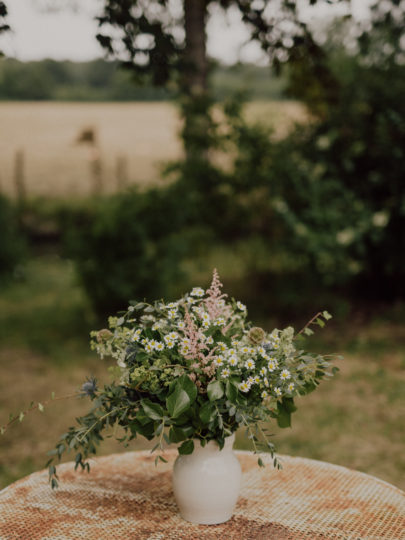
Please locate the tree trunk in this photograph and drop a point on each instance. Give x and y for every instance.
(195, 99)
(195, 56)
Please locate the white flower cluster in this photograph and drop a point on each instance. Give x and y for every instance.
(212, 341)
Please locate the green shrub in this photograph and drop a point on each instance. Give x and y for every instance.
(129, 246)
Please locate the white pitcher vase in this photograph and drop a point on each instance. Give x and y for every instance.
(206, 483)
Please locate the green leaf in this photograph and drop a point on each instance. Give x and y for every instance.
(178, 434)
(260, 462)
(186, 448)
(207, 412)
(320, 322)
(21, 417)
(186, 384)
(120, 321)
(308, 331)
(289, 404)
(178, 402)
(326, 315)
(152, 410)
(283, 416)
(215, 390)
(231, 391)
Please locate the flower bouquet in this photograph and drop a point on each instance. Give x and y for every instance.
(192, 372)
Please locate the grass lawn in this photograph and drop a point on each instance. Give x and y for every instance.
(355, 420)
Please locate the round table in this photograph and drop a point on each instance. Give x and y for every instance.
(126, 496)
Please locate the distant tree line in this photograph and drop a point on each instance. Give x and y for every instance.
(101, 80)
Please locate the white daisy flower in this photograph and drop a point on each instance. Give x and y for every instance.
(148, 348)
(159, 346)
(173, 335)
(172, 314)
(219, 322)
(263, 371)
(272, 365)
(233, 361)
(209, 340)
(285, 375)
(225, 373)
(222, 346)
(231, 352)
(266, 382)
(136, 335)
(291, 386)
(197, 291)
(169, 343)
(241, 306)
(244, 387)
(265, 394)
(250, 381)
(181, 325)
(250, 363)
(277, 391)
(205, 324)
(245, 350)
(219, 360)
(172, 305)
(261, 351)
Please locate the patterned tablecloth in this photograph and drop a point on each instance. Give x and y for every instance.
(126, 496)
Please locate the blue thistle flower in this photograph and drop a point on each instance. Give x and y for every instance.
(89, 388)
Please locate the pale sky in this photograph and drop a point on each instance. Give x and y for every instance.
(67, 34)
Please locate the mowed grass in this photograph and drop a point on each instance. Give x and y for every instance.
(355, 420)
(144, 134)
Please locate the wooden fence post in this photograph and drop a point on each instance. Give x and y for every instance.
(19, 177)
(122, 172)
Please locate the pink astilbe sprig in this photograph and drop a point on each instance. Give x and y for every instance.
(213, 302)
(196, 343)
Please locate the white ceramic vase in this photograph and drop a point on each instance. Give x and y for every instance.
(206, 483)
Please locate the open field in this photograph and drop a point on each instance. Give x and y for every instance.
(144, 134)
(355, 420)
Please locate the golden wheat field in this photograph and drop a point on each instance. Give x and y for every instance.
(62, 143)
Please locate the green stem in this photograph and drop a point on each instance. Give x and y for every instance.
(80, 439)
(251, 433)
